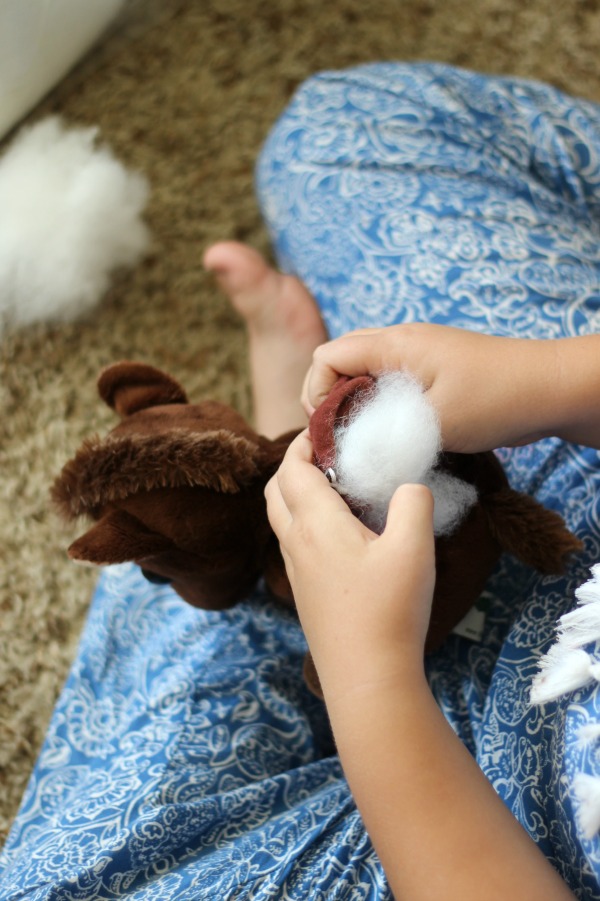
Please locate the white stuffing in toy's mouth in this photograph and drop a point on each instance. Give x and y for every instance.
(392, 438)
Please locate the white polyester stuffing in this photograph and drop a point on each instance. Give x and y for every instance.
(392, 438)
(69, 216)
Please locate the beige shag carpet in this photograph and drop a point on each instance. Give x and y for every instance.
(185, 91)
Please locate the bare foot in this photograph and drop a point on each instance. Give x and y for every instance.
(284, 327)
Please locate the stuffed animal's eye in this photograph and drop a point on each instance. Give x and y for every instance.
(332, 479)
(155, 578)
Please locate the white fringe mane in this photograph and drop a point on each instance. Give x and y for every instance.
(567, 667)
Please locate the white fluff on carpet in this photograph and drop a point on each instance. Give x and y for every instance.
(70, 215)
(393, 438)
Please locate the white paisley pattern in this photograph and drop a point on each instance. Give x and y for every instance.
(184, 759)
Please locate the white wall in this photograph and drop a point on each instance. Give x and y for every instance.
(40, 40)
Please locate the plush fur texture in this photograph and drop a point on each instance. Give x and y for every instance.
(110, 470)
(176, 487)
(179, 489)
(70, 215)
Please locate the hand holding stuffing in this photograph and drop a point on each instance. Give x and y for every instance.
(364, 603)
(364, 600)
(489, 391)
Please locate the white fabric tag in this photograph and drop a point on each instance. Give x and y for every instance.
(472, 625)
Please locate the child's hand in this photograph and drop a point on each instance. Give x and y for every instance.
(488, 391)
(364, 600)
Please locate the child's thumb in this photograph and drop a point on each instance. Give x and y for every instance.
(410, 516)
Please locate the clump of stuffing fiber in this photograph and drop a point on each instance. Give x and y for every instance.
(70, 215)
(572, 662)
(390, 438)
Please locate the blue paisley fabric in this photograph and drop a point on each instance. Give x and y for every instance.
(185, 759)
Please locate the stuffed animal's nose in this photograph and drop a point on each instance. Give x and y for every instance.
(155, 578)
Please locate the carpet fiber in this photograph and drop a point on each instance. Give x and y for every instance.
(185, 91)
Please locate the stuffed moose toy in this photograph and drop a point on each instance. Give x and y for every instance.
(178, 488)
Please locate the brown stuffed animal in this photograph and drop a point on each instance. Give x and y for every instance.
(178, 489)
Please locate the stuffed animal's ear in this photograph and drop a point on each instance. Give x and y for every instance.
(117, 538)
(129, 387)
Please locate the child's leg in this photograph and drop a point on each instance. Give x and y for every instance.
(185, 759)
(284, 327)
(422, 192)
